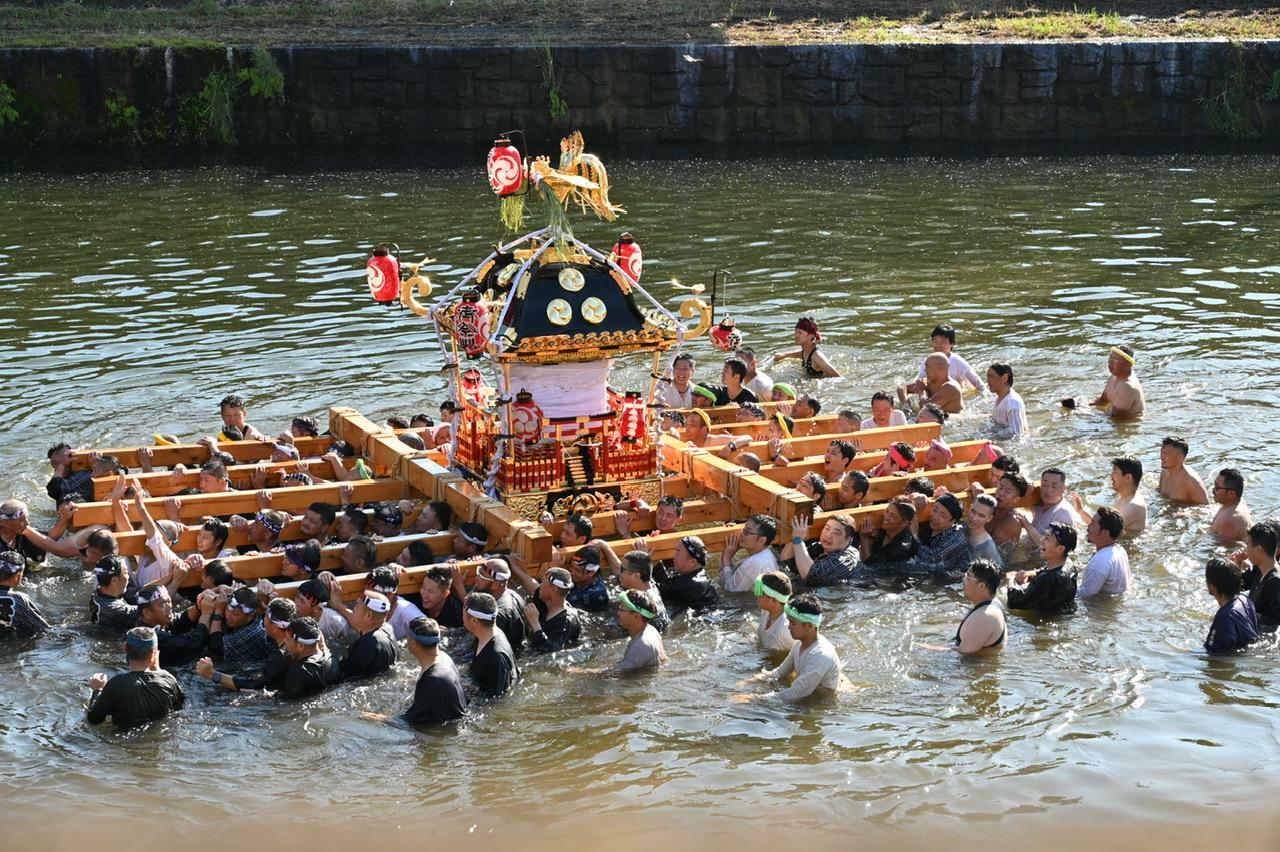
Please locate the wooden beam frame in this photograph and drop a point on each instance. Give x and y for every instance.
(198, 454)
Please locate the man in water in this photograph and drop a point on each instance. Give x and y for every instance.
(757, 534)
(757, 382)
(943, 339)
(19, 615)
(1051, 589)
(837, 459)
(814, 363)
(697, 431)
(438, 696)
(244, 641)
(832, 559)
(181, 641)
(883, 414)
(1232, 520)
(1126, 475)
(813, 659)
(493, 578)
(1123, 392)
(853, 489)
(144, 693)
(375, 650)
(17, 536)
(1052, 509)
(312, 669)
(553, 623)
(108, 607)
(234, 420)
(678, 393)
(1108, 570)
(936, 386)
(280, 612)
(1235, 625)
(1010, 413)
(644, 650)
(589, 592)
(1006, 526)
(983, 626)
(937, 456)
(773, 591)
(493, 669)
(1258, 562)
(685, 583)
(1178, 482)
(734, 390)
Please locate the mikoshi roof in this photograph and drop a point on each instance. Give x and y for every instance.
(574, 308)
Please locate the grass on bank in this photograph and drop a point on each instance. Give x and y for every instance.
(206, 23)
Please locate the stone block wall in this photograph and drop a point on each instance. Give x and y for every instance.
(818, 97)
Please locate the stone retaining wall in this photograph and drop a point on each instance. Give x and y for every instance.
(645, 96)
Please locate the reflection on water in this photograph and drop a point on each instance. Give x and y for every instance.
(132, 302)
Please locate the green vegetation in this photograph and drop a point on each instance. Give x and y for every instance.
(8, 109)
(209, 115)
(264, 77)
(551, 80)
(1246, 86)
(123, 121)
(203, 23)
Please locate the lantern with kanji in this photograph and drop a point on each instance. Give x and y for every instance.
(383, 274)
(631, 418)
(526, 418)
(626, 253)
(471, 324)
(506, 168)
(473, 388)
(726, 336)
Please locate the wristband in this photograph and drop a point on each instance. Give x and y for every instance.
(216, 617)
(216, 676)
(795, 539)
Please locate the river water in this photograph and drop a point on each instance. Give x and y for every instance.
(130, 302)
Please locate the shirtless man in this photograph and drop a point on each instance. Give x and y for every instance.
(1126, 475)
(937, 386)
(943, 339)
(1123, 391)
(697, 431)
(1006, 525)
(1233, 520)
(1178, 482)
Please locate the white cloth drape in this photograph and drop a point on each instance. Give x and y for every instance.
(565, 390)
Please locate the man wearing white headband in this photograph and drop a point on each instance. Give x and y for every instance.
(107, 606)
(17, 536)
(280, 612)
(438, 696)
(312, 669)
(385, 579)
(144, 693)
(1123, 392)
(553, 623)
(493, 670)
(375, 650)
(492, 578)
(812, 659)
(19, 616)
(589, 593)
(239, 638)
(181, 641)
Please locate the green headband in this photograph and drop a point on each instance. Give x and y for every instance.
(803, 617)
(626, 601)
(703, 392)
(761, 590)
(785, 388)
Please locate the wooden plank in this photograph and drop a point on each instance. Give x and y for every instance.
(295, 499)
(255, 566)
(713, 510)
(963, 453)
(868, 440)
(197, 454)
(820, 425)
(163, 483)
(876, 511)
(352, 585)
(386, 452)
(354, 428)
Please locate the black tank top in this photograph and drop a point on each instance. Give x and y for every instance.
(976, 607)
(810, 370)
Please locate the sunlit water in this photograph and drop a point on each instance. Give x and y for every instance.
(131, 302)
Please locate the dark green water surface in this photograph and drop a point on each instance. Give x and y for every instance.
(131, 302)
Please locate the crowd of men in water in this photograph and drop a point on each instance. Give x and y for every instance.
(242, 637)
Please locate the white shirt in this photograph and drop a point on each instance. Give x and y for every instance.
(1043, 516)
(159, 566)
(775, 637)
(1010, 415)
(960, 371)
(1107, 571)
(761, 386)
(897, 418)
(404, 612)
(672, 397)
(818, 665)
(335, 628)
(742, 576)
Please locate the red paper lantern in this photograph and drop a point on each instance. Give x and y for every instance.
(631, 420)
(471, 324)
(473, 389)
(383, 274)
(506, 168)
(526, 418)
(627, 254)
(726, 336)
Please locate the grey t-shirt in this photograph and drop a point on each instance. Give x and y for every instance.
(643, 651)
(988, 550)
